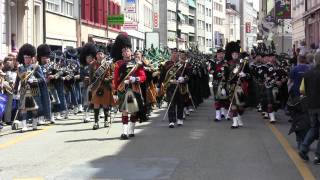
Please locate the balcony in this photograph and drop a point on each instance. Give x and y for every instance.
(192, 12)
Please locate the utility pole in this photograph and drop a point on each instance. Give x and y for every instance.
(177, 24)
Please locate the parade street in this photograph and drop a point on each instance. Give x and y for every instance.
(201, 149)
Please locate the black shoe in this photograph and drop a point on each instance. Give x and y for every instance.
(95, 126)
(222, 116)
(234, 127)
(316, 161)
(131, 135)
(304, 156)
(124, 137)
(217, 120)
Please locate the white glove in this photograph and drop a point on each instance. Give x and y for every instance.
(132, 79)
(158, 90)
(242, 74)
(115, 97)
(223, 92)
(126, 81)
(16, 96)
(172, 81)
(181, 79)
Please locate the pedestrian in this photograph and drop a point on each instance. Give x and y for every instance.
(311, 90)
(299, 117)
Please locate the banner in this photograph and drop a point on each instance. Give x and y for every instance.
(248, 27)
(156, 11)
(130, 6)
(283, 9)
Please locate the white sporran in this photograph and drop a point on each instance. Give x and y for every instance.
(130, 103)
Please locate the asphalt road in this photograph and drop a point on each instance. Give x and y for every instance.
(201, 149)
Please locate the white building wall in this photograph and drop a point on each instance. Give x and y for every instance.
(232, 25)
(208, 20)
(221, 14)
(201, 25)
(3, 29)
(298, 23)
(250, 15)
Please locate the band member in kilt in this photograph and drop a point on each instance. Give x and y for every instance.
(274, 79)
(100, 75)
(31, 79)
(43, 57)
(85, 82)
(56, 77)
(128, 75)
(239, 72)
(220, 86)
(173, 80)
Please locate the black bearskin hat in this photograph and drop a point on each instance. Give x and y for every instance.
(122, 41)
(26, 49)
(88, 49)
(230, 48)
(71, 53)
(43, 51)
(57, 55)
(102, 48)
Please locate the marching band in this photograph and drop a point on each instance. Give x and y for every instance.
(47, 84)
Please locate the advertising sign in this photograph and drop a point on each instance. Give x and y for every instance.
(130, 6)
(156, 12)
(283, 9)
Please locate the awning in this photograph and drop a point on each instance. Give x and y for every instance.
(181, 17)
(192, 3)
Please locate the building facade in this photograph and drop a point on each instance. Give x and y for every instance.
(218, 28)
(142, 23)
(93, 23)
(251, 26)
(298, 23)
(232, 23)
(208, 26)
(312, 22)
(22, 22)
(187, 17)
(201, 25)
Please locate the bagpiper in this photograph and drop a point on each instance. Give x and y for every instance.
(173, 80)
(100, 80)
(128, 75)
(220, 85)
(43, 57)
(238, 72)
(32, 86)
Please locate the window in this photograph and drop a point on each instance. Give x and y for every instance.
(210, 13)
(203, 10)
(65, 7)
(171, 16)
(210, 28)
(231, 19)
(207, 27)
(231, 32)
(68, 6)
(54, 5)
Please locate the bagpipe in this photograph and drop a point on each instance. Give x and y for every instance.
(29, 87)
(100, 73)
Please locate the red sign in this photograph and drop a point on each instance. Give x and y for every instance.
(156, 20)
(248, 27)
